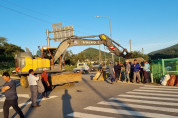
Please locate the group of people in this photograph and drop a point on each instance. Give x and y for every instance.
(129, 73)
(9, 89)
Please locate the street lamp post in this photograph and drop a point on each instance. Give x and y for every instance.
(110, 32)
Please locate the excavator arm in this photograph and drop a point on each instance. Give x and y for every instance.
(81, 41)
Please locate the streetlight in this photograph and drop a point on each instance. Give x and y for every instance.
(110, 31)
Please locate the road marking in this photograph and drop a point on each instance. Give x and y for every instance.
(29, 102)
(155, 94)
(86, 115)
(2, 98)
(173, 87)
(139, 106)
(154, 91)
(145, 101)
(149, 97)
(128, 112)
(167, 89)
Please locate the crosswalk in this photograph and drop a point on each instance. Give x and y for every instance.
(146, 101)
(25, 96)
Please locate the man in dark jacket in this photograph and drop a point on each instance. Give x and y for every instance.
(136, 71)
(9, 89)
(117, 70)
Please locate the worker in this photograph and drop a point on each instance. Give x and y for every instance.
(32, 80)
(44, 78)
(117, 70)
(127, 71)
(39, 53)
(111, 72)
(136, 71)
(146, 70)
(9, 88)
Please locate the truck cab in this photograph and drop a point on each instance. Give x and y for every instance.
(81, 67)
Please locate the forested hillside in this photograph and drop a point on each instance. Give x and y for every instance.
(170, 52)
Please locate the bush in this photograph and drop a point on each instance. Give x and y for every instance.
(69, 67)
(9, 70)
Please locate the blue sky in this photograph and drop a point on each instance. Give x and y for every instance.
(150, 24)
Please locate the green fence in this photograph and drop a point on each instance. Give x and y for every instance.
(163, 66)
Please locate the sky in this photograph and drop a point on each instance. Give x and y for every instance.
(149, 24)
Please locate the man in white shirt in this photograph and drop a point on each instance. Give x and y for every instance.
(32, 80)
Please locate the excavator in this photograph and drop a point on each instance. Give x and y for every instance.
(52, 58)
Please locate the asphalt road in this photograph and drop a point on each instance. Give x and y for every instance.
(99, 99)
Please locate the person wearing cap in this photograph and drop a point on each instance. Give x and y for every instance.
(32, 80)
(9, 89)
(127, 71)
(136, 71)
(111, 72)
(146, 70)
(44, 78)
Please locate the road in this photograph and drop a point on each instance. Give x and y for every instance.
(99, 99)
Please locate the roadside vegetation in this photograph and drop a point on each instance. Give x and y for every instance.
(7, 53)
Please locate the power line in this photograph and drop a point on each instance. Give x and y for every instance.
(37, 12)
(36, 18)
(19, 12)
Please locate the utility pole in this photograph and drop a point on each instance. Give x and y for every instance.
(142, 51)
(110, 32)
(130, 46)
(100, 60)
(48, 39)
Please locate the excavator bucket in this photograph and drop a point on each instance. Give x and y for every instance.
(100, 75)
(64, 78)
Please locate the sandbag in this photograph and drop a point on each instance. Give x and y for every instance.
(176, 83)
(40, 86)
(172, 80)
(165, 80)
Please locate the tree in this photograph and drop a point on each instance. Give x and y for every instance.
(136, 54)
(3, 40)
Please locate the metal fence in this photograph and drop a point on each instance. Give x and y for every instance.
(163, 66)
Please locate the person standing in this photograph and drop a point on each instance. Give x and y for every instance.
(44, 78)
(32, 80)
(111, 72)
(117, 70)
(127, 71)
(9, 88)
(136, 71)
(146, 70)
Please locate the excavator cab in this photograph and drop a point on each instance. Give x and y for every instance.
(48, 52)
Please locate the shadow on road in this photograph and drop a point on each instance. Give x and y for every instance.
(66, 104)
(104, 98)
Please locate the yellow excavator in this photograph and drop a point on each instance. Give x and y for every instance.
(52, 58)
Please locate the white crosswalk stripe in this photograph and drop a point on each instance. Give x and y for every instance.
(29, 102)
(128, 112)
(167, 89)
(155, 91)
(86, 115)
(147, 101)
(139, 106)
(153, 94)
(148, 97)
(2, 98)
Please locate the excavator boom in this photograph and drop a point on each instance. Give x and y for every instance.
(81, 41)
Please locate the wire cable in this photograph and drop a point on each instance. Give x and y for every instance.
(19, 12)
(36, 12)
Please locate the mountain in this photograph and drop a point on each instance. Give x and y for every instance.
(170, 52)
(93, 54)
